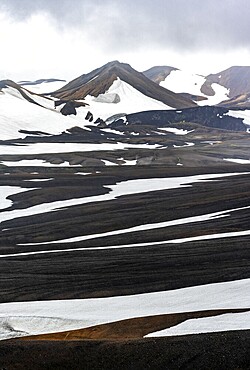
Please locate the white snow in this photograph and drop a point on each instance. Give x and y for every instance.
(185, 82)
(39, 180)
(159, 225)
(49, 148)
(35, 163)
(16, 114)
(131, 101)
(7, 191)
(125, 162)
(45, 87)
(175, 131)
(212, 236)
(212, 142)
(109, 130)
(226, 322)
(221, 94)
(109, 163)
(128, 162)
(237, 160)
(44, 102)
(244, 114)
(45, 316)
(83, 173)
(120, 189)
(18, 326)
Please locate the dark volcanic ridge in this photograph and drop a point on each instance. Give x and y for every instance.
(208, 116)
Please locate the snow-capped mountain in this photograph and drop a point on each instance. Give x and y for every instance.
(105, 81)
(188, 84)
(230, 87)
(235, 79)
(107, 94)
(23, 113)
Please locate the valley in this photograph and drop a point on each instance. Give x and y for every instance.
(124, 216)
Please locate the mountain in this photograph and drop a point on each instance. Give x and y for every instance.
(212, 89)
(159, 73)
(104, 81)
(24, 113)
(27, 115)
(188, 85)
(236, 79)
(241, 101)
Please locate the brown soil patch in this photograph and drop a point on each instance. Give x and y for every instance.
(130, 329)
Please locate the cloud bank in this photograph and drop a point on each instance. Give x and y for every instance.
(112, 28)
(180, 24)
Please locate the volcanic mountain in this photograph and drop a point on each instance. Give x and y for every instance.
(102, 81)
(236, 79)
(188, 84)
(212, 89)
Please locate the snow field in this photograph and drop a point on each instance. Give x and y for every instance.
(120, 189)
(61, 315)
(185, 82)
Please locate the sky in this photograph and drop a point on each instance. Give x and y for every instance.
(67, 38)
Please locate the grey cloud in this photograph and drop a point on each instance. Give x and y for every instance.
(187, 25)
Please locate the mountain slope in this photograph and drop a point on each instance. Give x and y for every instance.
(23, 113)
(236, 79)
(101, 80)
(159, 73)
(43, 86)
(188, 85)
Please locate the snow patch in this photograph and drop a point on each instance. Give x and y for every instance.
(185, 82)
(57, 315)
(176, 131)
(226, 322)
(49, 148)
(7, 191)
(237, 160)
(245, 115)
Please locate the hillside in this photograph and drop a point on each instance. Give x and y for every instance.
(236, 79)
(101, 80)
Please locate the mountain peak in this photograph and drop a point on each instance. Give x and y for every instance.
(101, 79)
(113, 63)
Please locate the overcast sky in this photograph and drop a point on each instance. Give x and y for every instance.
(66, 38)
